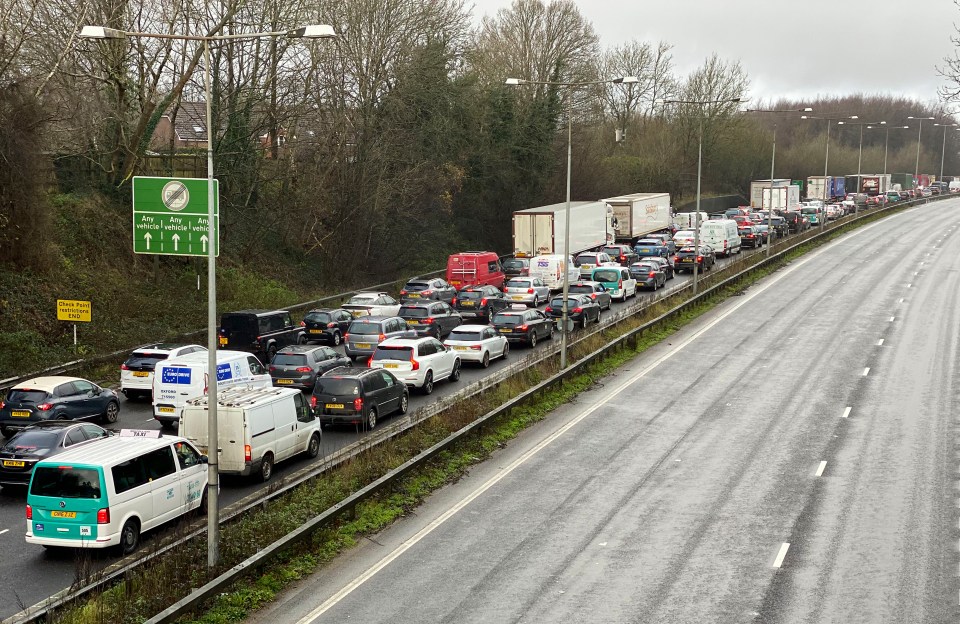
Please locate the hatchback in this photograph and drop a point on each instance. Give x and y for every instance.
(665, 263)
(624, 254)
(327, 325)
(480, 302)
(366, 332)
(358, 396)
(749, 237)
(298, 366)
(581, 309)
(436, 289)
(529, 290)
(20, 453)
(478, 343)
(56, 398)
(649, 274)
(417, 362)
(651, 247)
(687, 257)
(516, 267)
(430, 318)
(596, 291)
(589, 260)
(519, 324)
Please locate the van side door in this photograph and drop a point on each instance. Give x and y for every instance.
(305, 424)
(192, 474)
(161, 471)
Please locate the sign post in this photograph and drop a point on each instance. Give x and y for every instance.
(74, 310)
(170, 216)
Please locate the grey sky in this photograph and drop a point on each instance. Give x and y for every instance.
(793, 49)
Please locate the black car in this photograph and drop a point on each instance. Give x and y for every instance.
(519, 324)
(749, 237)
(516, 267)
(665, 263)
(649, 274)
(480, 302)
(624, 254)
(581, 309)
(434, 289)
(326, 325)
(358, 396)
(56, 398)
(260, 332)
(436, 319)
(687, 256)
(298, 366)
(20, 453)
(595, 290)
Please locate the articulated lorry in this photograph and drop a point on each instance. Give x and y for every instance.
(541, 231)
(827, 188)
(760, 189)
(639, 214)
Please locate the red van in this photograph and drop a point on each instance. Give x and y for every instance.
(474, 268)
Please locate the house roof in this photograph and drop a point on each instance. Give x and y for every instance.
(191, 120)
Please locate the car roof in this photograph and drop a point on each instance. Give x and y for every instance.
(375, 319)
(299, 348)
(223, 355)
(164, 347)
(404, 342)
(47, 384)
(419, 304)
(348, 372)
(371, 293)
(471, 327)
(57, 424)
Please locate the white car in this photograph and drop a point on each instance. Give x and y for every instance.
(136, 373)
(530, 290)
(477, 343)
(372, 304)
(684, 238)
(589, 260)
(417, 362)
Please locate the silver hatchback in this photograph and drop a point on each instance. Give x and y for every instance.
(366, 332)
(529, 290)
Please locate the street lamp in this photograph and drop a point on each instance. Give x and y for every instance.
(773, 158)
(564, 316)
(856, 196)
(696, 219)
(317, 31)
(826, 156)
(943, 150)
(916, 171)
(886, 143)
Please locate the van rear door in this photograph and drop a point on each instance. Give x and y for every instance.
(63, 501)
(232, 422)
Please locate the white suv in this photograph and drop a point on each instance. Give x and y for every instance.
(417, 362)
(136, 374)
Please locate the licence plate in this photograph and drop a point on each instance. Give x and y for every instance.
(316, 331)
(20, 414)
(586, 266)
(461, 348)
(517, 297)
(363, 345)
(284, 381)
(223, 341)
(141, 374)
(63, 514)
(356, 313)
(166, 410)
(391, 366)
(468, 304)
(12, 463)
(334, 406)
(412, 323)
(413, 295)
(506, 331)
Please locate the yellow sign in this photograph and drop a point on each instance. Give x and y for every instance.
(72, 310)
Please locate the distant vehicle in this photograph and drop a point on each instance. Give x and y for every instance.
(589, 260)
(651, 247)
(624, 254)
(636, 215)
(721, 236)
(596, 291)
(44, 440)
(430, 318)
(617, 280)
(365, 333)
(260, 332)
(478, 343)
(518, 324)
(474, 268)
(136, 373)
(427, 289)
(683, 237)
(528, 290)
(687, 257)
(666, 238)
(649, 274)
(327, 325)
(516, 267)
(551, 269)
(372, 304)
(480, 302)
(749, 237)
(417, 362)
(298, 366)
(56, 398)
(581, 309)
(358, 396)
(665, 263)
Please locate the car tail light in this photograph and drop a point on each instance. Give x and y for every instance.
(358, 404)
(576, 310)
(483, 301)
(247, 455)
(623, 258)
(381, 337)
(369, 361)
(475, 347)
(700, 258)
(29, 512)
(346, 336)
(313, 402)
(303, 324)
(103, 516)
(523, 327)
(426, 293)
(529, 291)
(427, 321)
(331, 325)
(454, 301)
(43, 407)
(303, 369)
(620, 283)
(548, 310)
(272, 368)
(414, 365)
(676, 259)
(651, 274)
(124, 367)
(2, 404)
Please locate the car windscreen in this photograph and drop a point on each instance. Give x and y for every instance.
(513, 264)
(337, 386)
(471, 295)
(364, 329)
(508, 319)
(465, 336)
(514, 283)
(65, 482)
(606, 276)
(414, 312)
(362, 300)
(589, 290)
(289, 359)
(317, 317)
(611, 251)
(141, 358)
(416, 286)
(393, 353)
(30, 441)
(643, 268)
(571, 303)
(25, 396)
(585, 259)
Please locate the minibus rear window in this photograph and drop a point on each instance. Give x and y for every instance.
(65, 482)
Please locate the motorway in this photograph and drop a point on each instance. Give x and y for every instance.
(31, 574)
(790, 457)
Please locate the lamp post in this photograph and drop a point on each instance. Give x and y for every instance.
(886, 143)
(564, 316)
(826, 157)
(320, 31)
(856, 197)
(696, 229)
(773, 158)
(943, 150)
(916, 171)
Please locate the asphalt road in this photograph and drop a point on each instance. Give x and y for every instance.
(789, 457)
(30, 573)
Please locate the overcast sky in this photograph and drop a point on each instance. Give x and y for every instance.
(792, 49)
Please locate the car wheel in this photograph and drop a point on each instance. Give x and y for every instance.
(506, 350)
(168, 424)
(455, 373)
(313, 448)
(583, 321)
(428, 383)
(536, 301)
(404, 403)
(113, 412)
(533, 339)
(485, 362)
(266, 468)
(302, 339)
(271, 351)
(129, 536)
(336, 339)
(598, 317)
(654, 285)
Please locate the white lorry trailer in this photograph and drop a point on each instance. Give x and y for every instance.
(761, 188)
(636, 215)
(540, 231)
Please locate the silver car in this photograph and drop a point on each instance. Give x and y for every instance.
(366, 332)
(529, 290)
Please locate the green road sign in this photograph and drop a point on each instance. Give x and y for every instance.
(170, 216)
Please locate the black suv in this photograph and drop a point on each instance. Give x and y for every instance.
(358, 396)
(480, 302)
(298, 366)
(260, 332)
(431, 318)
(624, 254)
(328, 325)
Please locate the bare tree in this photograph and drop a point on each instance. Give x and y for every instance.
(653, 68)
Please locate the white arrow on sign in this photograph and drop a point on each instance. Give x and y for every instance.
(203, 240)
(147, 238)
(176, 241)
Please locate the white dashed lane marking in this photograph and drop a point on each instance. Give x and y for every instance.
(823, 465)
(846, 412)
(781, 555)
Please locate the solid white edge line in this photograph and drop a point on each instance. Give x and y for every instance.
(846, 412)
(4, 531)
(823, 465)
(780, 555)
(866, 371)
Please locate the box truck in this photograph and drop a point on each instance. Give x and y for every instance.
(636, 215)
(827, 188)
(905, 180)
(540, 231)
(784, 198)
(688, 220)
(757, 190)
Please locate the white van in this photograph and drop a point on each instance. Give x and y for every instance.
(257, 427)
(109, 493)
(722, 235)
(688, 220)
(178, 379)
(549, 268)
